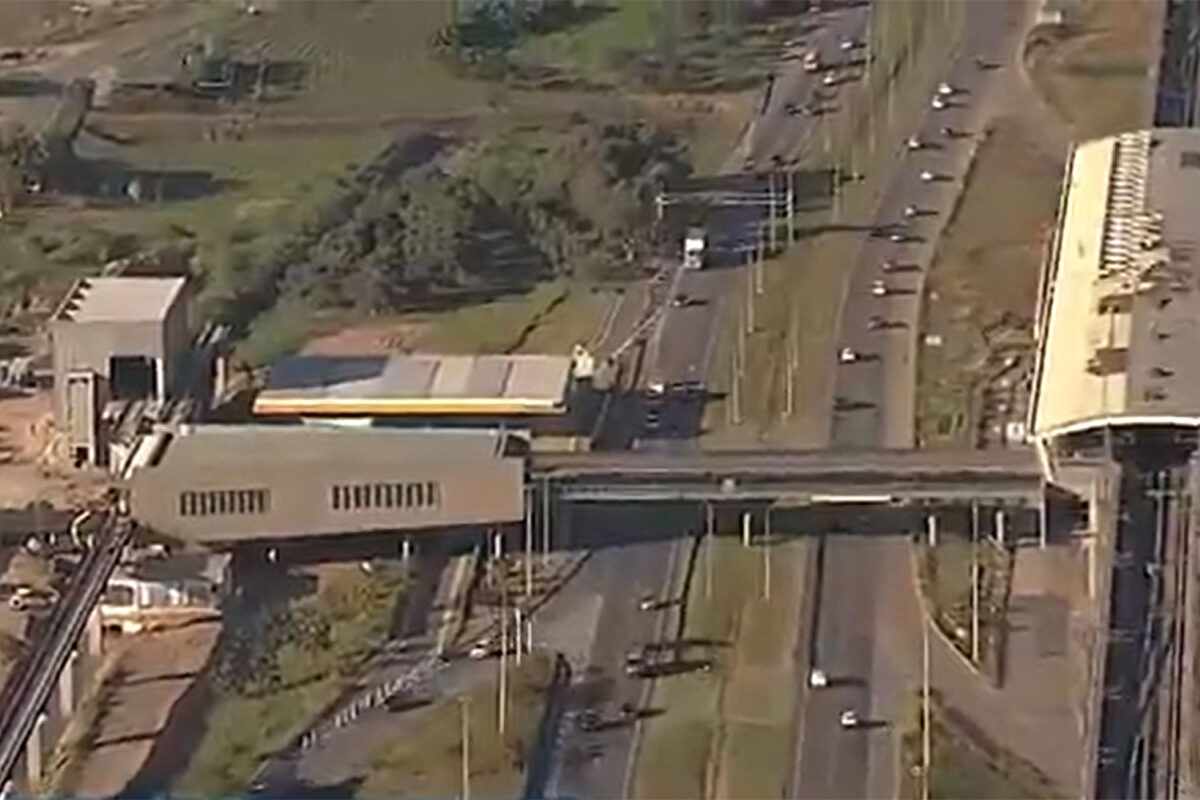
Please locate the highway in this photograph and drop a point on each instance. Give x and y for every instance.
(28, 690)
(881, 388)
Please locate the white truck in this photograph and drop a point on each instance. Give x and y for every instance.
(812, 61)
(695, 248)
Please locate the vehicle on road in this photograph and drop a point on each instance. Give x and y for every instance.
(938, 104)
(927, 176)
(911, 211)
(876, 323)
(680, 301)
(589, 720)
(830, 79)
(914, 143)
(481, 649)
(653, 421)
(848, 355)
(945, 90)
(635, 662)
(695, 247)
(817, 679)
(849, 719)
(879, 288)
(897, 238)
(656, 388)
(649, 602)
(847, 44)
(952, 133)
(889, 266)
(804, 109)
(812, 61)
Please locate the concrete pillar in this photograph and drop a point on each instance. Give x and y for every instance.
(160, 380)
(33, 752)
(1043, 522)
(66, 687)
(95, 634)
(1000, 520)
(931, 529)
(220, 377)
(746, 517)
(405, 549)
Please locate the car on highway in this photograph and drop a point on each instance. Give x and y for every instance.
(952, 133)
(945, 89)
(938, 103)
(914, 143)
(830, 79)
(888, 266)
(588, 719)
(656, 388)
(817, 679)
(653, 420)
(911, 211)
(897, 238)
(680, 300)
(927, 176)
(847, 44)
(635, 662)
(848, 355)
(649, 602)
(804, 109)
(879, 288)
(849, 719)
(876, 323)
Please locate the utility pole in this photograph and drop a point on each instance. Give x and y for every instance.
(750, 301)
(708, 554)
(791, 203)
(518, 630)
(926, 735)
(766, 546)
(464, 703)
(788, 375)
(771, 209)
(528, 544)
(735, 379)
(545, 521)
(975, 582)
(502, 705)
(746, 518)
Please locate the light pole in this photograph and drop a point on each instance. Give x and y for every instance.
(464, 703)
(502, 705)
(975, 582)
(708, 554)
(766, 546)
(926, 735)
(528, 544)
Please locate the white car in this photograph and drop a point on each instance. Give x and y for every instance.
(480, 650)
(945, 89)
(849, 719)
(927, 176)
(938, 103)
(911, 211)
(847, 356)
(914, 143)
(897, 238)
(817, 679)
(888, 266)
(829, 80)
(848, 44)
(657, 388)
(648, 603)
(879, 289)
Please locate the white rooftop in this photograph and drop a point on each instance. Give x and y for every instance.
(120, 299)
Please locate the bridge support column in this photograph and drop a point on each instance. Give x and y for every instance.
(33, 752)
(746, 521)
(95, 634)
(1000, 520)
(709, 525)
(405, 550)
(66, 687)
(931, 529)
(1043, 522)
(546, 519)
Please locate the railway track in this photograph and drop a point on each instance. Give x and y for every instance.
(27, 691)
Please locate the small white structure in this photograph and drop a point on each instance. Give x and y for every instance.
(161, 593)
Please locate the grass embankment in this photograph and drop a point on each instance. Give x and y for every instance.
(727, 733)
(1095, 71)
(278, 666)
(965, 763)
(431, 765)
(945, 577)
(981, 291)
(805, 286)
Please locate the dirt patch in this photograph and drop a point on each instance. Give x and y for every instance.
(376, 338)
(154, 672)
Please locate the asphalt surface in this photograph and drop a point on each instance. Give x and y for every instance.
(596, 764)
(880, 388)
(685, 343)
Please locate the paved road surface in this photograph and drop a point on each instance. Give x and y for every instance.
(886, 379)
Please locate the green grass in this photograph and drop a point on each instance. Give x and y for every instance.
(243, 727)
(965, 764)
(982, 285)
(1108, 56)
(431, 765)
(589, 48)
(752, 692)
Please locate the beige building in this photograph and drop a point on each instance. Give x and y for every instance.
(112, 339)
(1119, 304)
(213, 484)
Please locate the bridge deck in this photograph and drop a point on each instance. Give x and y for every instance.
(883, 465)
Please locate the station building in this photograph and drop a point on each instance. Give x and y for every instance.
(214, 485)
(1118, 321)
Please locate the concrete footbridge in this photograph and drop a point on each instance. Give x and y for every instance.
(798, 477)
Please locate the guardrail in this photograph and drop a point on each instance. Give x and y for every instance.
(25, 695)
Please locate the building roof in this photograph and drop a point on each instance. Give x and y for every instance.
(416, 385)
(120, 299)
(236, 448)
(1120, 314)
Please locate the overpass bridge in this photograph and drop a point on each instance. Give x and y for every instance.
(800, 477)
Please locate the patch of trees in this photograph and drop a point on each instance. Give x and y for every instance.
(498, 215)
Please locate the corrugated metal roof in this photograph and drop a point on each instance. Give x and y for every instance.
(120, 299)
(416, 384)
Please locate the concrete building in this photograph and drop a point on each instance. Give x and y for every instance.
(214, 484)
(1119, 304)
(535, 393)
(115, 338)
